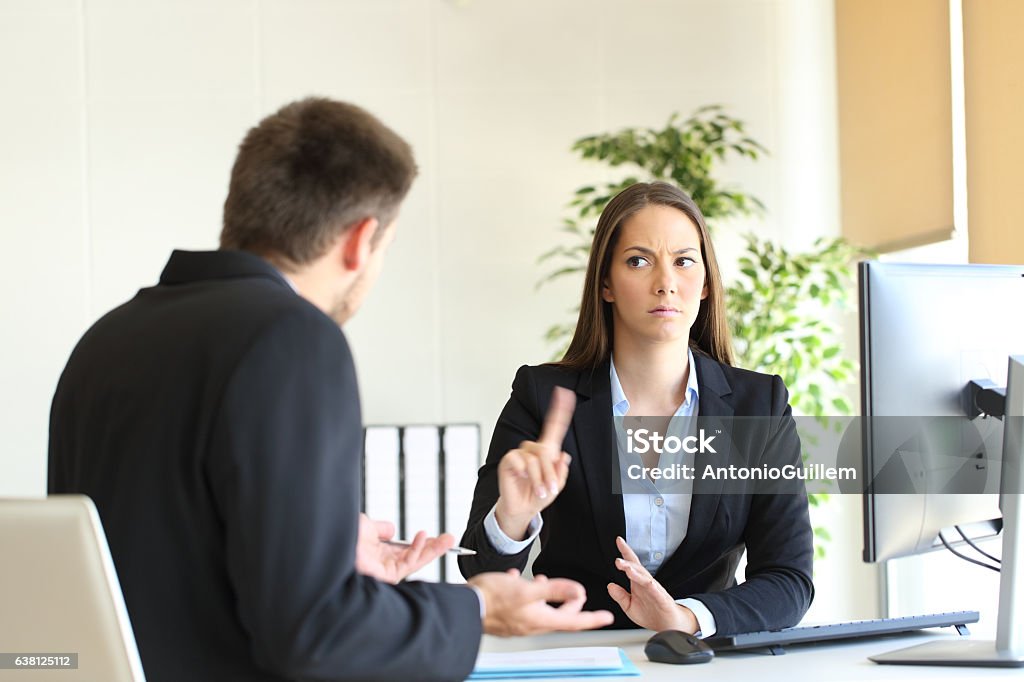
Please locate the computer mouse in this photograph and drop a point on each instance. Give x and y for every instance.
(675, 646)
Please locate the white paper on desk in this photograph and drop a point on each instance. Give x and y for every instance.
(573, 658)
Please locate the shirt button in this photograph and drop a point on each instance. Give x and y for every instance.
(658, 555)
(658, 501)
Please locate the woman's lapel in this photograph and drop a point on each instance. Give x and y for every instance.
(595, 436)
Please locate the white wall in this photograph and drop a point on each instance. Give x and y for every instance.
(121, 117)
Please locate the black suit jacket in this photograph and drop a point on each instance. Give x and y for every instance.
(578, 537)
(214, 419)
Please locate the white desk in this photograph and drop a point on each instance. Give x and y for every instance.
(844, 661)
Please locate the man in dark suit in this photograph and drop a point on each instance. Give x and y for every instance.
(214, 419)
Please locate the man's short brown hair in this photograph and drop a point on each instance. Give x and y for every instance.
(308, 172)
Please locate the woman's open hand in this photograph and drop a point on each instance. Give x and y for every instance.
(647, 603)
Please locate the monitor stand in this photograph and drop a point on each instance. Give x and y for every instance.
(1007, 651)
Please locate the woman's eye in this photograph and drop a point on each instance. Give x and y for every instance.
(685, 262)
(636, 261)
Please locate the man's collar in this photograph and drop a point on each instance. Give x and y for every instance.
(185, 267)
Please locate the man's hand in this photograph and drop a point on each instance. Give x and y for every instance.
(391, 563)
(514, 606)
(647, 603)
(532, 475)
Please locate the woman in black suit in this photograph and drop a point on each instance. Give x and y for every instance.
(652, 350)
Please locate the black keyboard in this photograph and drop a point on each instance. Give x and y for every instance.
(776, 639)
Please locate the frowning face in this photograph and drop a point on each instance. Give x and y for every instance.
(657, 277)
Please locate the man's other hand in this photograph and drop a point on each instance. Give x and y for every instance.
(513, 606)
(392, 563)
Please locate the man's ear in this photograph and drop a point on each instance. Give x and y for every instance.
(356, 243)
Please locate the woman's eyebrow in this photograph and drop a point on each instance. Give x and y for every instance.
(644, 250)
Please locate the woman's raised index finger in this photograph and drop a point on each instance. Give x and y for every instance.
(558, 418)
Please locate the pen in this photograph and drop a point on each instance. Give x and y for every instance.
(459, 551)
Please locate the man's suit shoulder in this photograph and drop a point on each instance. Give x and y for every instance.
(296, 312)
(271, 302)
(268, 310)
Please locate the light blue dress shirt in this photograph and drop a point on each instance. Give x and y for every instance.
(656, 521)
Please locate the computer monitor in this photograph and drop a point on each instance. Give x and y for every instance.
(927, 332)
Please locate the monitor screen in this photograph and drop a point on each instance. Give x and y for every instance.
(925, 332)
